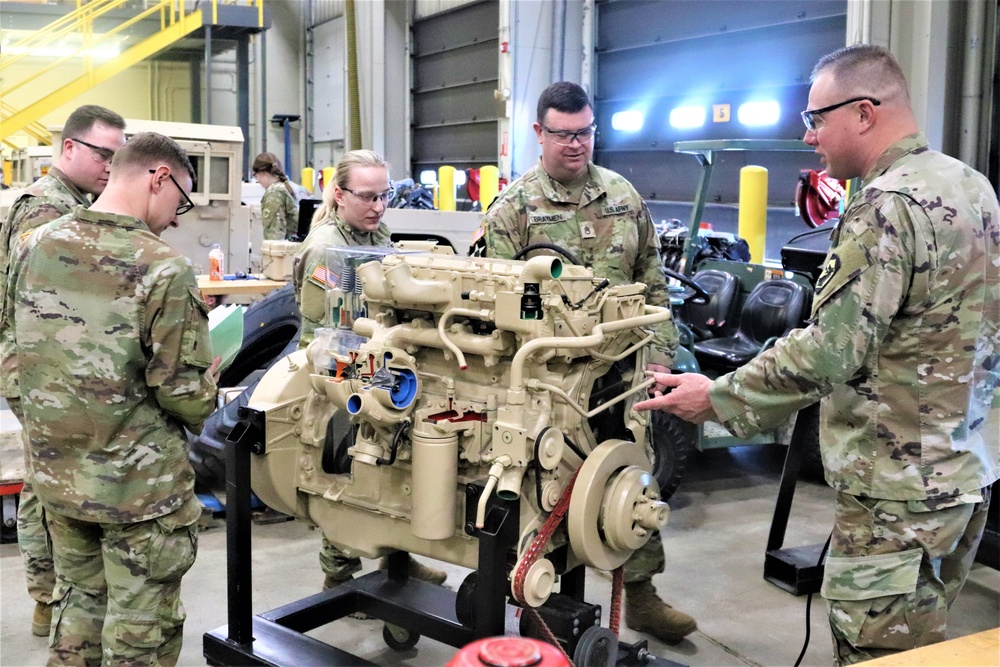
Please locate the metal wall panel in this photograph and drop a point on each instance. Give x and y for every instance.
(455, 117)
(654, 56)
(326, 10)
(424, 8)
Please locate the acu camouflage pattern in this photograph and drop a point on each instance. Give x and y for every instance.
(48, 198)
(607, 227)
(894, 570)
(279, 212)
(310, 292)
(112, 336)
(119, 588)
(904, 345)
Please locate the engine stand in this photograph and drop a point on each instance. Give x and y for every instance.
(410, 608)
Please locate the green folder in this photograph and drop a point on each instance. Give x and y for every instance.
(226, 326)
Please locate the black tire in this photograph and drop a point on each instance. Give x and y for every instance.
(405, 640)
(271, 330)
(672, 442)
(268, 327)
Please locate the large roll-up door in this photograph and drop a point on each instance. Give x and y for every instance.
(455, 65)
(654, 58)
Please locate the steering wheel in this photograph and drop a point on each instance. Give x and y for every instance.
(694, 293)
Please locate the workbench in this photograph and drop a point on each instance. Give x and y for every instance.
(259, 286)
(978, 650)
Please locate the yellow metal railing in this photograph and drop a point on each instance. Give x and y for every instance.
(176, 22)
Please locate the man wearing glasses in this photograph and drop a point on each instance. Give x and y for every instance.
(116, 361)
(91, 136)
(904, 351)
(596, 215)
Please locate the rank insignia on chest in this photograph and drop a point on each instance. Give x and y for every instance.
(587, 230)
(829, 271)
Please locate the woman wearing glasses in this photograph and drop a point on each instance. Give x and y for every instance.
(279, 209)
(351, 215)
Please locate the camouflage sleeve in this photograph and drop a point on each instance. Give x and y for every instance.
(863, 285)
(176, 333)
(310, 290)
(272, 214)
(503, 225)
(649, 270)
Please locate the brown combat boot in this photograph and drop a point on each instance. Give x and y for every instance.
(41, 620)
(646, 612)
(418, 570)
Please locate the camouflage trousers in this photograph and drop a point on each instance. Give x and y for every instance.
(118, 589)
(646, 561)
(335, 563)
(894, 570)
(32, 531)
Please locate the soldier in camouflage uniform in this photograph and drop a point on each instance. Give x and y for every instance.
(279, 209)
(115, 361)
(598, 216)
(351, 215)
(91, 136)
(904, 351)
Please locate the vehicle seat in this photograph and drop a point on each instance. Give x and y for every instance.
(711, 320)
(773, 308)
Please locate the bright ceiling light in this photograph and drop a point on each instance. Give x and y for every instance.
(683, 118)
(627, 121)
(428, 177)
(759, 113)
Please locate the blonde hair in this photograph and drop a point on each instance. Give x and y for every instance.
(350, 160)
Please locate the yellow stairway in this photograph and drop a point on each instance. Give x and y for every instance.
(175, 24)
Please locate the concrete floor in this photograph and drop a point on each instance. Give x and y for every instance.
(714, 550)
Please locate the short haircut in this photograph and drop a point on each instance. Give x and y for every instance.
(83, 119)
(148, 150)
(342, 175)
(563, 96)
(864, 69)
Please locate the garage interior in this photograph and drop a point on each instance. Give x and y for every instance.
(453, 83)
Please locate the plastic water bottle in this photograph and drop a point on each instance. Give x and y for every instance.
(216, 263)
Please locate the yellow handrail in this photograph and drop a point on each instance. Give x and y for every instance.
(175, 23)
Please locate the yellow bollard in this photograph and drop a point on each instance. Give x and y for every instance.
(329, 173)
(489, 184)
(309, 179)
(446, 184)
(753, 210)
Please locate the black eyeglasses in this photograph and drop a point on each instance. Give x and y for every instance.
(566, 137)
(809, 116)
(372, 197)
(188, 204)
(102, 155)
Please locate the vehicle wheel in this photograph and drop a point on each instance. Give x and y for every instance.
(598, 647)
(268, 326)
(399, 639)
(672, 442)
(271, 330)
(812, 460)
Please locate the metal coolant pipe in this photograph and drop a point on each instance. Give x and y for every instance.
(435, 479)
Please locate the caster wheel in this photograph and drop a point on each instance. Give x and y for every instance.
(399, 639)
(598, 647)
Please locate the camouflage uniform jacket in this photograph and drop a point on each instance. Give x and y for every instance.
(279, 212)
(904, 342)
(309, 267)
(609, 230)
(112, 336)
(46, 199)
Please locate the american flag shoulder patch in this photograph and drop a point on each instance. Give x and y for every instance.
(322, 277)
